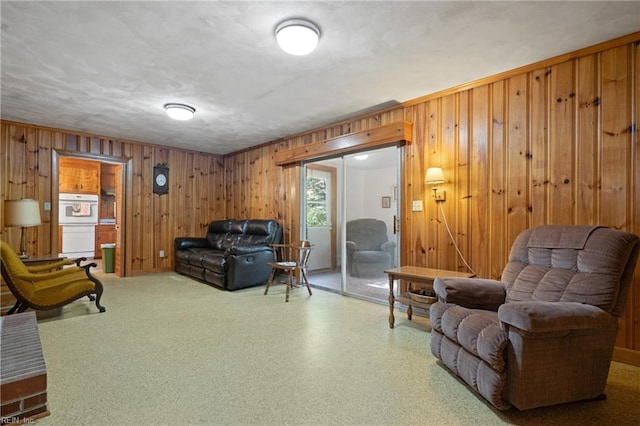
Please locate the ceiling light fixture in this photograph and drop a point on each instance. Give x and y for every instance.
(180, 112)
(297, 36)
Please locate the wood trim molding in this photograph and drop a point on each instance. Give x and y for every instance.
(399, 132)
(628, 356)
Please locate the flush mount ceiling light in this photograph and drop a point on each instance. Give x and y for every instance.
(180, 111)
(297, 36)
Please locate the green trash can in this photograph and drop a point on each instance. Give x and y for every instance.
(108, 257)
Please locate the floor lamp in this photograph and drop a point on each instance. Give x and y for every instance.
(22, 213)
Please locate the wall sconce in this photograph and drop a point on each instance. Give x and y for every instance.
(435, 176)
(22, 213)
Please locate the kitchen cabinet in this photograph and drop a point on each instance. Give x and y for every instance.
(105, 234)
(108, 190)
(108, 175)
(79, 176)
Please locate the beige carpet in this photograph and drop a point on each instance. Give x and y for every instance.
(374, 289)
(173, 351)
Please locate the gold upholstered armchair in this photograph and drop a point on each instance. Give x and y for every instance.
(544, 334)
(48, 286)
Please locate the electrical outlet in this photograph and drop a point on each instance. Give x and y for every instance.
(417, 205)
(161, 253)
(47, 206)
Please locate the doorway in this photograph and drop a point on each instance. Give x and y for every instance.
(109, 191)
(349, 213)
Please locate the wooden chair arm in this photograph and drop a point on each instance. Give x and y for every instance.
(50, 266)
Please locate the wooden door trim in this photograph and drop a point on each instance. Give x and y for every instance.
(127, 174)
(332, 235)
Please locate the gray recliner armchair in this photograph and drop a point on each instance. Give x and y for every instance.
(545, 333)
(369, 251)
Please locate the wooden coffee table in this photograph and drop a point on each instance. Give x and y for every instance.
(415, 274)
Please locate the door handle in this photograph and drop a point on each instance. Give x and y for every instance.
(395, 224)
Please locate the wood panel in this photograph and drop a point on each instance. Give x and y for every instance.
(497, 154)
(560, 166)
(461, 190)
(479, 213)
(616, 160)
(432, 156)
(415, 224)
(447, 255)
(539, 136)
(631, 339)
(518, 160)
(588, 117)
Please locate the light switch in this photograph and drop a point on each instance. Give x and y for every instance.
(417, 205)
(47, 206)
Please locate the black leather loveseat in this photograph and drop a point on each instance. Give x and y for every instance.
(233, 255)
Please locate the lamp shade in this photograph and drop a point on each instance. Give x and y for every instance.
(297, 36)
(21, 213)
(434, 175)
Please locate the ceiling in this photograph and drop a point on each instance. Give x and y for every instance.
(107, 68)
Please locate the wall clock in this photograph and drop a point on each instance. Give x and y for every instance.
(160, 179)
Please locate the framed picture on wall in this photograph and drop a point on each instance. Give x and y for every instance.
(386, 202)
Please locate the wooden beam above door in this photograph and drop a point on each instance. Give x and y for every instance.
(399, 133)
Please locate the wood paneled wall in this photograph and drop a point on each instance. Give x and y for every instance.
(196, 193)
(554, 142)
(554, 145)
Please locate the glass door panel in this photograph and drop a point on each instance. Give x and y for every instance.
(371, 200)
(348, 212)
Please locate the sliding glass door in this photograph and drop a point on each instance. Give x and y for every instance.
(350, 208)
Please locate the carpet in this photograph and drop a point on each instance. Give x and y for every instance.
(170, 350)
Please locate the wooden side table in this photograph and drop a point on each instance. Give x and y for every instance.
(415, 274)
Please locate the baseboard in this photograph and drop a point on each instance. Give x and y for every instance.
(628, 356)
(150, 271)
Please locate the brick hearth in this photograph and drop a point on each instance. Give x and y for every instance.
(23, 374)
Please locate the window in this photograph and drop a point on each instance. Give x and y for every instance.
(317, 202)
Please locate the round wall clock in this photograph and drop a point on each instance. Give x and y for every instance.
(160, 179)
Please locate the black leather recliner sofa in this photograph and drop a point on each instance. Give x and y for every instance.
(233, 255)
